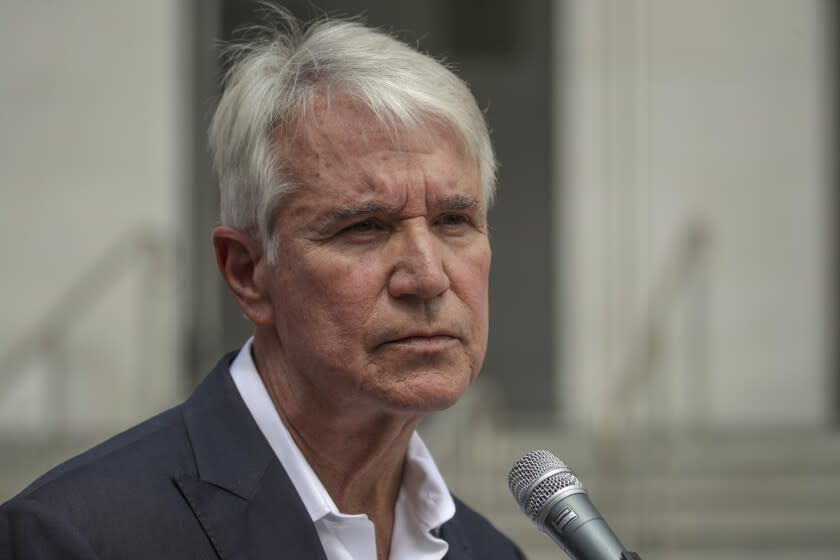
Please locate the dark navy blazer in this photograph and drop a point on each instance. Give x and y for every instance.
(198, 481)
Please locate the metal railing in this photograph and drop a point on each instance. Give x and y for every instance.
(647, 348)
(46, 340)
(631, 448)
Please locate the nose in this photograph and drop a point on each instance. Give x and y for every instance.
(419, 271)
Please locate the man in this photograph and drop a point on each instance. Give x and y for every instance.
(355, 175)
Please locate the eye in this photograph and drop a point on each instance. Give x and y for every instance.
(453, 220)
(364, 226)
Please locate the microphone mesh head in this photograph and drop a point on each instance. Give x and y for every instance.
(528, 470)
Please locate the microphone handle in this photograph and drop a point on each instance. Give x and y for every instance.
(577, 526)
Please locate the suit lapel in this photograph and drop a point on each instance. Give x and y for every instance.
(242, 497)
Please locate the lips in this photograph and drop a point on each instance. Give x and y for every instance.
(421, 338)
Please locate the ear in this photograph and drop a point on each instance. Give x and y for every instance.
(243, 267)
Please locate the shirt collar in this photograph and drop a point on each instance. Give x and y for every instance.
(423, 493)
(423, 487)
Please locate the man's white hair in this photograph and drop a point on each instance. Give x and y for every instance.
(275, 77)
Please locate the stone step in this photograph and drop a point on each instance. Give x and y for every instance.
(545, 549)
(689, 489)
(750, 454)
(538, 546)
(694, 532)
(754, 494)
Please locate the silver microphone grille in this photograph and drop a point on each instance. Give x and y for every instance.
(528, 470)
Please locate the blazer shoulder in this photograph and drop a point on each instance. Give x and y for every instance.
(118, 497)
(122, 498)
(29, 529)
(159, 443)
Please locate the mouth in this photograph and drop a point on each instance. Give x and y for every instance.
(423, 341)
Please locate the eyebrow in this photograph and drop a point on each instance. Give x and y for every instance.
(459, 202)
(348, 212)
(359, 209)
(356, 209)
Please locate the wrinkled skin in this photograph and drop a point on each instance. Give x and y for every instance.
(379, 295)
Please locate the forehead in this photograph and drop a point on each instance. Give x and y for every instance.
(342, 140)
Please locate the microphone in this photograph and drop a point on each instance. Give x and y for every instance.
(550, 494)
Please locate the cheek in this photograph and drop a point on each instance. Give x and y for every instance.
(351, 284)
(471, 273)
(335, 293)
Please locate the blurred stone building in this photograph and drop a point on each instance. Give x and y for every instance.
(665, 248)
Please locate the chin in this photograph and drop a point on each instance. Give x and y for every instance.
(426, 393)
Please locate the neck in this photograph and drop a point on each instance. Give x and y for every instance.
(358, 454)
(360, 466)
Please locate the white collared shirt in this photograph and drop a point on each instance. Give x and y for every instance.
(423, 505)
